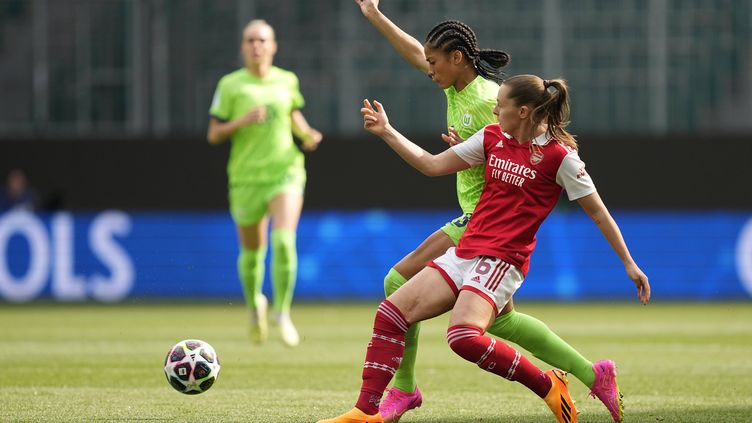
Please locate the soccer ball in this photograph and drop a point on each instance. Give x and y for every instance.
(191, 366)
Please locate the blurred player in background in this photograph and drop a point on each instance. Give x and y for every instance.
(530, 158)
(469, 75)
(258, 107)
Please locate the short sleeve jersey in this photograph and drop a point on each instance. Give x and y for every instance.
(468, 111)
(261, 152)
(522, 186)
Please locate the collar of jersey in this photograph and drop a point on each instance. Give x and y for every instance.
(541, 139)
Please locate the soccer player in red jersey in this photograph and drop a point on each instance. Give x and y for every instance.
(468, 75)
(530, 158)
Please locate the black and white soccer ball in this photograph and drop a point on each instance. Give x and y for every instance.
(191, 366)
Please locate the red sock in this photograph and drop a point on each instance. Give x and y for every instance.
(495, 356)
(383, 356)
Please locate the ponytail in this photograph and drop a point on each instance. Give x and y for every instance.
(555, 111)
(550, 102)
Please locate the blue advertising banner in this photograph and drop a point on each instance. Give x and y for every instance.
(115, 255)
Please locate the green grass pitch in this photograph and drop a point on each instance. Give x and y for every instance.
(84, 363)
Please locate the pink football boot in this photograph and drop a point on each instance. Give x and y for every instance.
(397, 403)
(606, 389)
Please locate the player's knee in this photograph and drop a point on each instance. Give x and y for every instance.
(283, 242)
(248, 259)
(461, 339)
(389, 319)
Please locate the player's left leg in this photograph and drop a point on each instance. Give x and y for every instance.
(470, 316)
(285, 209)
(485, 284)
(536, 337)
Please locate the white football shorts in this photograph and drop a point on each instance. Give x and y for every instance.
(490, 277)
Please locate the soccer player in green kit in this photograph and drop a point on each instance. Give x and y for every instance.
(258, 107)
(469, 76)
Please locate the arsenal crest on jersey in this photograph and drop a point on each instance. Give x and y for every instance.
(536, 157)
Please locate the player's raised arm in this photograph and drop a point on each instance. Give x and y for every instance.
(594, 207)
(406, 45)
(376, 122)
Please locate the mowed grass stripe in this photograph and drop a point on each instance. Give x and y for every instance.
(91, 362)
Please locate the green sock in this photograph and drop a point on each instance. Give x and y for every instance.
(251, 273)
(284, 268)
(404, 379)
(534, 336)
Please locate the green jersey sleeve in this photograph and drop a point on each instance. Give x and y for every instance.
(297, 97)
(222, 102)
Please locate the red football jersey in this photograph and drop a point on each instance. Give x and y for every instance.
(523, 184)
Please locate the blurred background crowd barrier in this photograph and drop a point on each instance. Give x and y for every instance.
(149, 67)
(103, 112)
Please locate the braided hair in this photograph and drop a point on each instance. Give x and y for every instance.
(455, 35)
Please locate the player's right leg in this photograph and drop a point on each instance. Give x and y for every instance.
(424, 296)
(252, 226)
(404, 394)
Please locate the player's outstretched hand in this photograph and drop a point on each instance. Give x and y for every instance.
(368, 6)
(641, 282)
(375, 119)
(453, 138)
